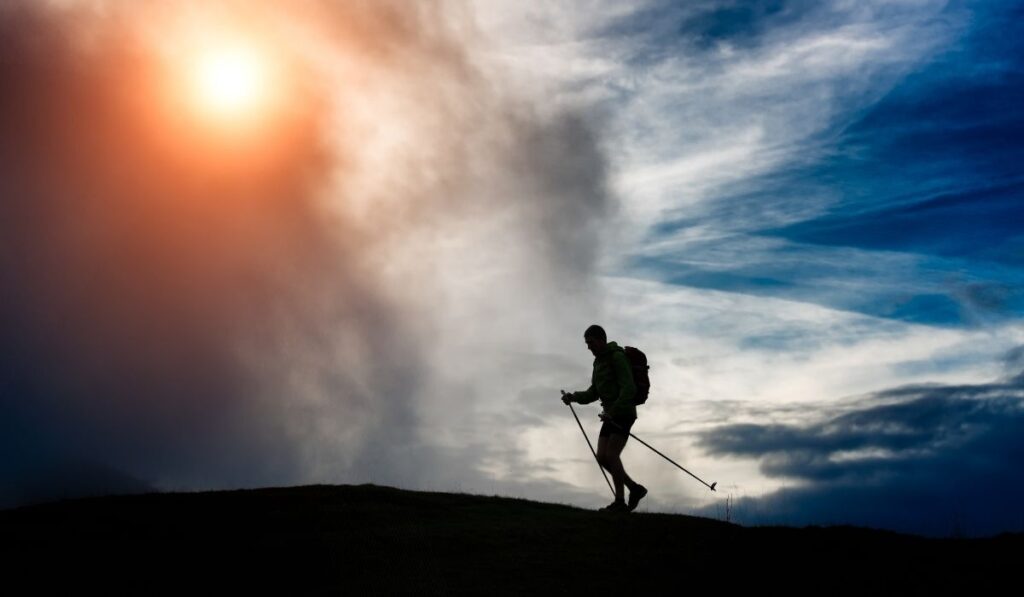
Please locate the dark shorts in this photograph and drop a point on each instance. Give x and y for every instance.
(624, 425)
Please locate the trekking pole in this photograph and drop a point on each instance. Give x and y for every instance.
(711, 487)
(591, 448)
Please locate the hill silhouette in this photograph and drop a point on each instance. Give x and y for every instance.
(368, 539)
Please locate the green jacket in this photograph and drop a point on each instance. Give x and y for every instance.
(612, 383)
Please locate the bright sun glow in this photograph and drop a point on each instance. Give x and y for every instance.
(231, 82)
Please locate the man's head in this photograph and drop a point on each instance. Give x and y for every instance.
(595, 338)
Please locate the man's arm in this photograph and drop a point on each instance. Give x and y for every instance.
(585, 397)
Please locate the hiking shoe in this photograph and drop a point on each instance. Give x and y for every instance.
(635, 496)
(615, 506)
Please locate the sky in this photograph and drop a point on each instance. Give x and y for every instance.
(365, 250)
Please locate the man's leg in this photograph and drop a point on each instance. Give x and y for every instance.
(616, 443)
(602, 451)
(604, 459)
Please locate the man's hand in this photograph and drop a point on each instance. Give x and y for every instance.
(604, 416)
(566, 398)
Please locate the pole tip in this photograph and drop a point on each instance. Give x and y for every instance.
(713, 485)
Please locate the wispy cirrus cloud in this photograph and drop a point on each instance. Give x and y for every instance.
(859, 158)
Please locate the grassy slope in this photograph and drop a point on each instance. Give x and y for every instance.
(374, 539)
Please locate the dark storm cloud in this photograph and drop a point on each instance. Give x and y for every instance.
(574, 180)
(182, 312)
(929, 459)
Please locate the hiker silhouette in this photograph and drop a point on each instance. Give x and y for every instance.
(612, 383)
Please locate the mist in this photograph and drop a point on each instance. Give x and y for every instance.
(330, 296)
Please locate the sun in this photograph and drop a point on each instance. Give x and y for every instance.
(231, 82)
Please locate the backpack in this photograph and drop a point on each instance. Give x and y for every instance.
(638, 361)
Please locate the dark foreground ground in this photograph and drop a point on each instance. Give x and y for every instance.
(366, 539)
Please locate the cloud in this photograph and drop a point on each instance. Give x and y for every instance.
(877, 136)
(732, 121)
(295, 303)
(931, 459)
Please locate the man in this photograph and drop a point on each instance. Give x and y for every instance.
(612, 383)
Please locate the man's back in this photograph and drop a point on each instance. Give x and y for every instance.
(612, 381)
